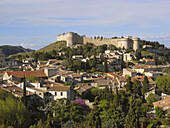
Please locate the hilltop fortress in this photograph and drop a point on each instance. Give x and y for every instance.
(72, 38)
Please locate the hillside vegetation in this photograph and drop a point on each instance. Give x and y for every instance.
(10, 50)
(54, 46)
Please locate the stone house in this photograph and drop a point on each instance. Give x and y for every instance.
(59, 91)
(83, 88)
(122, 81)
(148, 61)
(76, 78)
(129, 72)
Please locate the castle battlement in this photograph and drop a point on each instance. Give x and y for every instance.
(73, 38)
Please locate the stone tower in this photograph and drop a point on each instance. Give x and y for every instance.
(72, 38)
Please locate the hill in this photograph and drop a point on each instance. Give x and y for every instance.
(10, 50)
(54, 46)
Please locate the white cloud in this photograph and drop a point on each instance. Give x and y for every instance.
(30, 44)
(100, 13)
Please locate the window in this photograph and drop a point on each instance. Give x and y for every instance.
(61, 93)
(55, 93)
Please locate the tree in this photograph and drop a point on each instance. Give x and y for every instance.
(48, 122)
(64, 111)
(129, 84)
(115, 114)
(105, 65)
(33, 78)
(132, 118)
(136, 87)
(152, 98)
(144, 109)
(159, 113)
(13, 113)
(95, 120)
(166, 70)
(40, 124)
(163, 83)
(116, 98)
(145, 87)
(24, 92)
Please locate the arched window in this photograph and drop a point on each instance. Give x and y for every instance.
(55, 93)
(61, 93)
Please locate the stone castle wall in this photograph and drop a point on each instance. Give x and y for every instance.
(73, 38)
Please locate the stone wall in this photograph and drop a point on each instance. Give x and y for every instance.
(73, 38)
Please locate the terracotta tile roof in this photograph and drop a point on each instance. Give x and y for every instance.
(16, 90)
(56, 86)
(61, 88)
(108, 77)
(142, 67)
(122, 79)
(163, 103)
(147, 60)
(141, 78)
(86, 87)
(20, 74)
(112, 74)
(76, 75)
(53, 60)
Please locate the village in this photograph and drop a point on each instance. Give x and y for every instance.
(49, 80)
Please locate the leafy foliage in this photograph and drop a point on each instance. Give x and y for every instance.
(11, 109)
(163, 83)
(159, 112)
(33, 78)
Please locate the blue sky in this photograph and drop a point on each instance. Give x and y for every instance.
(36, 23)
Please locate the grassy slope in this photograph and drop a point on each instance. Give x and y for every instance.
(54, 46)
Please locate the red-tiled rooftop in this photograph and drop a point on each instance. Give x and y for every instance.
(53, 60)
(56, 86)
(122, 79)
(141, 78)
(20, 74)
(142, 67)
(86, 87)
(112, 74)
(147, 60)
(16, 90)
(76, 75)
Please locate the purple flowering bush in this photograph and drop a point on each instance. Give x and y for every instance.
(80, 101)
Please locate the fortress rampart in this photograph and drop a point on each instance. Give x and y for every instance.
(73, 39)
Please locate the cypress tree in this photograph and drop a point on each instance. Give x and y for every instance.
(105, 65)
(24, 91)
(95, 120)
(132, 118)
